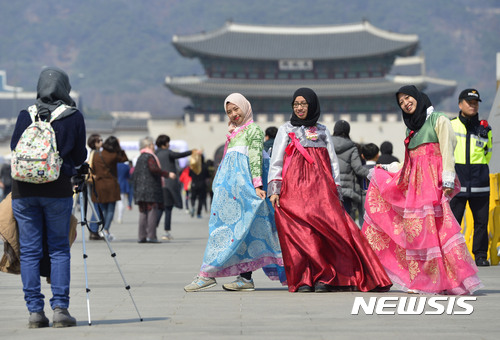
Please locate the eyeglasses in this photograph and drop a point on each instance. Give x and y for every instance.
(296, 105)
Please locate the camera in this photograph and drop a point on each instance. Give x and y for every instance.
(81, 174)
(83, 170)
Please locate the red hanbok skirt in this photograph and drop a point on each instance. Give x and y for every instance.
(319, 241)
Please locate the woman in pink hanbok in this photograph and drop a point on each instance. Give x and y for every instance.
(408, 220)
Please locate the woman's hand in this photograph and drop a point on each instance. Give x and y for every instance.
(172, 175)
(261, 193)
(447, 191)
(275, 200)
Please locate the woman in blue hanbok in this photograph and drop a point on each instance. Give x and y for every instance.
(242, 232)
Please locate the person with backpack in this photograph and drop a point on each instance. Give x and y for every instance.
(42, 208)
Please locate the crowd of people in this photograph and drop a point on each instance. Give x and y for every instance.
(318, 184)
(285, 200)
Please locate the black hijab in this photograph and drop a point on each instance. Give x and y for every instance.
(53, 90)
(313, 110)
(415, 121)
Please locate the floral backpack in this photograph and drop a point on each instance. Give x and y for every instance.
(35, 158)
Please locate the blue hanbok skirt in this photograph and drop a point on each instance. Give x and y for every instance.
(242, 231)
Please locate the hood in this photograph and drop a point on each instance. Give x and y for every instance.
(342, 144)
(53, 90)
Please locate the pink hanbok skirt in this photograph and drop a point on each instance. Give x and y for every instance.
(410, 226)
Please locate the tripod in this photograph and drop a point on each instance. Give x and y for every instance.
(81, 188)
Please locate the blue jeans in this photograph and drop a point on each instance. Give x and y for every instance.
(36, 217)
(108, 212)
(93, 226)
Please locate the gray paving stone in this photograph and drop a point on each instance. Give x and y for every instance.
(157, 274)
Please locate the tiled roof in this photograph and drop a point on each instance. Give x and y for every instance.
(108, 126)
(204, 86)
(99, 125)
(408, 66)
(132, 124)
(296, 42)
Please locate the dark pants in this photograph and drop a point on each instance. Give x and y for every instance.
(247, 275)
(6, 190)
(148, 221)
(480, 207)
(168, 217)
(348, 202)
(349, 205)
(199, 195)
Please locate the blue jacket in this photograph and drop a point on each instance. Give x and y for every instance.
(123, 177)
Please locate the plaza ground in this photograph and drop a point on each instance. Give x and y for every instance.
(157, 274)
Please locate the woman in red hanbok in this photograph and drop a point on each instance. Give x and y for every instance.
(323, 249)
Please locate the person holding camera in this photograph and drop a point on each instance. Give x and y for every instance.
(43, 211)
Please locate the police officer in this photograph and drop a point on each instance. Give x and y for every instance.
(472, 155)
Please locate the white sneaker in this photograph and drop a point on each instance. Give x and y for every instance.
(240, 284)
(167, 236)
(200, 283)
(110, 237)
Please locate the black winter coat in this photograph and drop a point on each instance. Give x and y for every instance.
(147, 185)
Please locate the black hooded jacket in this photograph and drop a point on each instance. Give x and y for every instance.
(53, 90)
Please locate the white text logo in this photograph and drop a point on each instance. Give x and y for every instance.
(403, 305)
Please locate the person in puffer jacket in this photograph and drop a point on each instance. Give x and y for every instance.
(350, 165)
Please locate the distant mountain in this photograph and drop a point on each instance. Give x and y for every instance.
(118, 52)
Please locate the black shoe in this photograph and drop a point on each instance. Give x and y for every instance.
(141, 241)
(305, 289)
(62, 318)
(482, 262)
(38, 320)
(95, 237)
(321, 287)
(152, 240)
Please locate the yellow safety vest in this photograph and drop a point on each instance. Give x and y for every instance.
(472, 155)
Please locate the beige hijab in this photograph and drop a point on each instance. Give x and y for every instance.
(239, 100)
